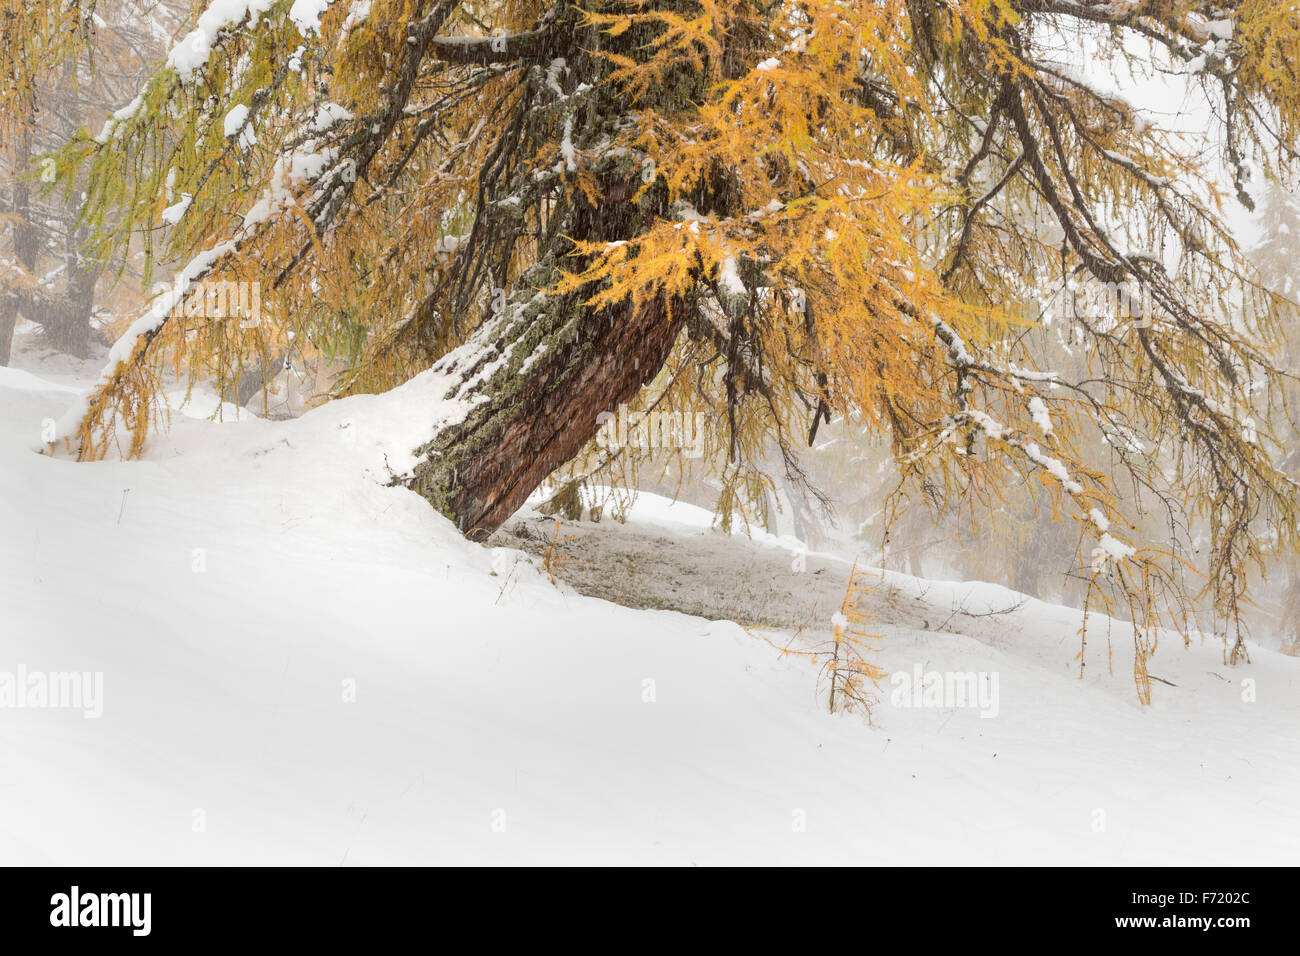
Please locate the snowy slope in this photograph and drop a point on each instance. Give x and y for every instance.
(236, 586)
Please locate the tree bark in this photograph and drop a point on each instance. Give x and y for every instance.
(555, 365)
(479, 473)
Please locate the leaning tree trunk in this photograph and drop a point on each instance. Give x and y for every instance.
(538, 375)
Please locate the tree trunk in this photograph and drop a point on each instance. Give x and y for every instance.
(26, 243)
(538, 372)
(69, 329)
(479, 472)
(64, 317)
(8, 319)
(1291, 608)
(541, 372)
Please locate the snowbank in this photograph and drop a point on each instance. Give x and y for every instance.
(303, 665)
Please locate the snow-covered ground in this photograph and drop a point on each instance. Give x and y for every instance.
(302, 665)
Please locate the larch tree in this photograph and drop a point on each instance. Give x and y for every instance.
(62, 65)
(35, 45)
(780, 212)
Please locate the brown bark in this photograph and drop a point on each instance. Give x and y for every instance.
(565, 363)
(555, 415)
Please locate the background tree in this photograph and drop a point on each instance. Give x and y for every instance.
(64, 65)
